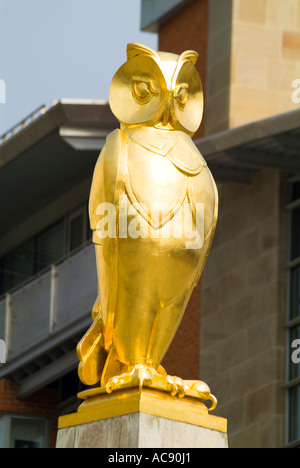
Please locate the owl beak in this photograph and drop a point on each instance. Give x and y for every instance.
(166, 118)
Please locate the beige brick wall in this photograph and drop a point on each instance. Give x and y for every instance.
(265, 58)
(253, 56)
(244, 308)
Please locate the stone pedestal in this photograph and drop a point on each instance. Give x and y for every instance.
(140, 418)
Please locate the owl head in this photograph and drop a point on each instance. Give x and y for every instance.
(158, 89)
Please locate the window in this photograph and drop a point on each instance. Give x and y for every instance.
(77, 229)
(17, 267)
(18, 431)
(49, 246)
(44, 249)
(293, 324)
(32, 257)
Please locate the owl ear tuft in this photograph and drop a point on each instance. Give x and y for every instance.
(135, 49)
(189, 55)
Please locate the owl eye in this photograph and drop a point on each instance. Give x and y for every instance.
(143, 89)
(181, 95)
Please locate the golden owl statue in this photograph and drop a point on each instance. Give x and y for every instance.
(153, 211)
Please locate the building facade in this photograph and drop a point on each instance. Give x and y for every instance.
(242, 325)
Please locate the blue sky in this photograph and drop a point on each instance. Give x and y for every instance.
(53, 49)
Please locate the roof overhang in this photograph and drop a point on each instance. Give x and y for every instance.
(236, 153)
(47, 361)
(155, 12)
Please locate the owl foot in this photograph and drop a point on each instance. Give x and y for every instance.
(144, 376)
(139, 376)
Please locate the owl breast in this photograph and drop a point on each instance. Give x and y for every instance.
(154, 185)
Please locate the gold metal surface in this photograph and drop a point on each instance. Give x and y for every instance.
(153, 211)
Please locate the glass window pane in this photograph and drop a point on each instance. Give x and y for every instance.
(27, 433)
(50, 246)
(295, 293)
(295, 353)
(76, 232)
(295, 250)
(294, 413)
(17, 266)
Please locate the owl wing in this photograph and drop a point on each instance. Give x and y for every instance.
(94, 348)
(185, 156)
(108, 187)
(209, 237)
(177, 146)
(205, 191)
(106, 178)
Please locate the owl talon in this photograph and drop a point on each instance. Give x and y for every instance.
(202, 391)
(139, 375)
(112, 384)
(176, 386)
(201, 388)
(214, 402)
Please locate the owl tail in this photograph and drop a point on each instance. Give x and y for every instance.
(90, 350)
